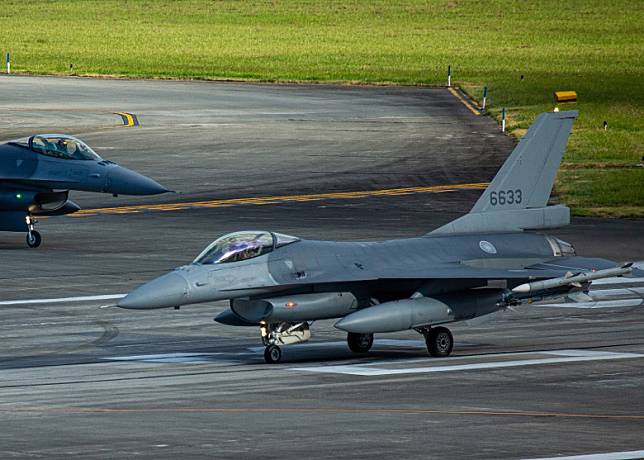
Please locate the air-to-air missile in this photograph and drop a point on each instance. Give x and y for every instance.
(571, 279)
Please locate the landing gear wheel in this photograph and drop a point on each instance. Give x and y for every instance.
(439, 342)
(359, 343)
(33, 239)
(272, 354)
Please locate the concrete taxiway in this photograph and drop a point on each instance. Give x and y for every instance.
(317, 162)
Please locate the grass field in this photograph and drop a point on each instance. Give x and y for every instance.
(594, 47)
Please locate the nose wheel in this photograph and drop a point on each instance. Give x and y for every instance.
(272, 354)
(33, 237)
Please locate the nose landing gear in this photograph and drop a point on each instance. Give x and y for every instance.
(33, 237)
(283, 333)
(272, 354)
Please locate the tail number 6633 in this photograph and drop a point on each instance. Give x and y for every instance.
(506, 197)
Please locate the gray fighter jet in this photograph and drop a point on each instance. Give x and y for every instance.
(480, 263)
(37, 173)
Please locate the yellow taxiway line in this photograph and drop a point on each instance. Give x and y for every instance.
(128, 118)
(264, 200)
(464, 101)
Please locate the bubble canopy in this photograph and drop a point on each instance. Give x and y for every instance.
(62, 146)
(244, 245)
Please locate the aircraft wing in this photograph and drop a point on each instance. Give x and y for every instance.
(550, 269)
(554, 268)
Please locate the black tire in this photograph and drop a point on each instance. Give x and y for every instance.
(359, 343)
(33, 239)
(272, 354)
(439, 342)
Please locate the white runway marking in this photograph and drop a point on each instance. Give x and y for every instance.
(399, 343)
(62, 299)
(561, 356)
(630, 455)
(622, 303)
(192, 358)
(378, 342)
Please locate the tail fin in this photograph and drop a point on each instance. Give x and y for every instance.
(530, 170)
(517, 197)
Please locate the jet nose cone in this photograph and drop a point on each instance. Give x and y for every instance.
(169, 290)
(349, 324)
(124, 181)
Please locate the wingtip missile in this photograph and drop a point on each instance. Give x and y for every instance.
(576, 280)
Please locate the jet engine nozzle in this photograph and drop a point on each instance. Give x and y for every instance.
(169, 290)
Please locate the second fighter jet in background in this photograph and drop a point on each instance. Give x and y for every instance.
(37, 173)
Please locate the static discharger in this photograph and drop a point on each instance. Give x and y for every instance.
(565, 96)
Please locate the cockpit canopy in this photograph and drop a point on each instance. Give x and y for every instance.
(59, 146)
(244, 245)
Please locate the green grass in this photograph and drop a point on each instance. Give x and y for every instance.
(591, 46)
(581, 185)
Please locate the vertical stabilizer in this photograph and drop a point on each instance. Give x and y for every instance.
(526, 178)
(517, 197)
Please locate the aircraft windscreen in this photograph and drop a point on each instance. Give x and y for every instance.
(65, 147)
(22, 142)
(235, 247)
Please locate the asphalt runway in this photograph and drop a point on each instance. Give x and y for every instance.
(317, 162)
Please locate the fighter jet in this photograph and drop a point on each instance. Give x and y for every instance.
(37, 173)
(485, 261)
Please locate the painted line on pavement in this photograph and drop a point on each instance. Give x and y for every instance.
(407, 343)
(627, 455)
(191, 358)
(267, 200)
(563, 356)
(621, 303)
(62, 299)
(466, 103)
(129, 119)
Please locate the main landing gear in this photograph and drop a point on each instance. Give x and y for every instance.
(33, 237)
(439, 341)
(359, 343)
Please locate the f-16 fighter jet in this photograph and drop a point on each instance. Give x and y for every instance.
(37, 173)
(482, 262)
